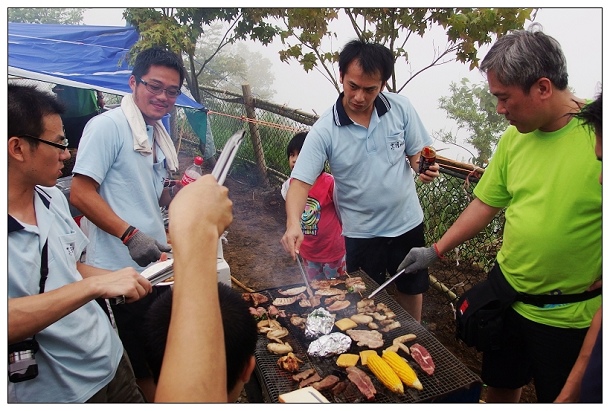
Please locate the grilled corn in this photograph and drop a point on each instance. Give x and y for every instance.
(402, 369)
(384, 373)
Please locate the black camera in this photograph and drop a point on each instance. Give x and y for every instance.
(21, 362)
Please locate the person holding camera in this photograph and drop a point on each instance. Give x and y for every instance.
(61, 346)
(372, 141)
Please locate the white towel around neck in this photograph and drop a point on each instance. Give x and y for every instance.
(140, 137)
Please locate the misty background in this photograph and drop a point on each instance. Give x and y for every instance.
(578, 30)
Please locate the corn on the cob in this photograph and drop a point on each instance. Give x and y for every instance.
(402, 369)
(384, 373)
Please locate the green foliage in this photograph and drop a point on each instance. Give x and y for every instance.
(474, 110)
(467, 29)
(46, 15)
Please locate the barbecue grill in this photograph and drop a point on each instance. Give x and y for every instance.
(451, 381)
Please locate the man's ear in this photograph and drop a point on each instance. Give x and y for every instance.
(132, 83)
(247, 371)
(543, 87)
(16, 147)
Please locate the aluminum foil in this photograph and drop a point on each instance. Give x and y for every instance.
(319, 322)
(334, 343)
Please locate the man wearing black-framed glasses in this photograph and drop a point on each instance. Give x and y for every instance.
(123, 159)
(54, 321)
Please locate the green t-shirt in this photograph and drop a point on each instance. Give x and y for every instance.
(549, 184)
(79, 102)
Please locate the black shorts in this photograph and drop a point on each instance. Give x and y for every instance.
(532, 350)
(381, 256)
(129, 319)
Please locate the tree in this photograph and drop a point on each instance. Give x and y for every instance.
(473, 107)
(46, 15)
(467, 29)
(178, 29)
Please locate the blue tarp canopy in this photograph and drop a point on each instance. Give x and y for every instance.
(80, 56)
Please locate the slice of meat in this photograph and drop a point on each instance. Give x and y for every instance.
(303, 374)
(327, 382)
(339, 387)
(362, 381)
(329, 291)
(356, 284)
(333, 298)
(369, 338)
(292, 291)
(308, 381)
(423, 358)
(281, 301)
(258, 298)
(338, 305)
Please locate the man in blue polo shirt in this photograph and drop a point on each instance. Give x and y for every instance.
(372, 142)
(52, 310)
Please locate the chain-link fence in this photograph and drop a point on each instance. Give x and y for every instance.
(442, 200)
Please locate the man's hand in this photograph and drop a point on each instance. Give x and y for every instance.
(126, 282)
(430, 174)
(144, 249)
(418, 258)
(292, 239)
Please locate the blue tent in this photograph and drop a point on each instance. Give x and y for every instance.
(79, 56)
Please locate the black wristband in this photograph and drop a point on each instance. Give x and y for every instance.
(127, 232)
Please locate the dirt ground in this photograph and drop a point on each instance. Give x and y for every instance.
(258, 261)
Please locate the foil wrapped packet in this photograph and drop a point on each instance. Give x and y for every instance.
(331, 344)
(319, 322)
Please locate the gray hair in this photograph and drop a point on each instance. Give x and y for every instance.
(522, 57)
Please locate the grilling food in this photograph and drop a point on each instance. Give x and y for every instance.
(404, 371)
(362, 381)
(277, 348)
(391, 326)
(347, 360)
(320, 284)
(385, 373)
(339, 387)
(364, 355)
(298, 321)
(303, 375)
(292, 291)
(366, 338)
(338, 305)
(404, 338)
(355, 284)
(310, 380)
(289, 362)
(423, 358)
(325, 292)
(281, 301)
(277, 334)
(345, 324)
(327, 382)
(255, 298)
(361, 318)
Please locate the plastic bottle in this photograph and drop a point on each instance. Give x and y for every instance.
(427, 158)
(193, 172)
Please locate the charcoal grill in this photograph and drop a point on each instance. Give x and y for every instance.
(450, 380)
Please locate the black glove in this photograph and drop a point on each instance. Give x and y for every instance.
(144, 249)
(419, 258)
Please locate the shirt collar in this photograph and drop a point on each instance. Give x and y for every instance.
(382, 105)
(14, 225)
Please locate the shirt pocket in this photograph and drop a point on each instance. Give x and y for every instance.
(159, 175)
(395, 147)
(68, 244)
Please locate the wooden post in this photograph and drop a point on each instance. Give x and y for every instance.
(255, 136)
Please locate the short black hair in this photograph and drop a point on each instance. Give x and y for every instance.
(296, 143)
(373, 58)
(239, 326)
(157, 56)
(27, 106)
(592, 114)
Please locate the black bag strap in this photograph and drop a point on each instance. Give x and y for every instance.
(540, 300)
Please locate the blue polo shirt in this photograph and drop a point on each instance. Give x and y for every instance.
(79, 353)
(374, 181)
(129, 182)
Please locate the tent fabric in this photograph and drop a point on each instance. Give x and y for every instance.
(76, 55)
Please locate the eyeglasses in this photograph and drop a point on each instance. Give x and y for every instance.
(62, 146)
(156, 89)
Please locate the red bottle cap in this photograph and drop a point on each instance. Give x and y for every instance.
(198, 160)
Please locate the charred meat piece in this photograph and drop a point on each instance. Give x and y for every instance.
(362, 381)
(423, 358)
(255, 298)
(290, 362)
(303, 374)
(298, 321)
(327, 382)
(339, 387)
(310, 380)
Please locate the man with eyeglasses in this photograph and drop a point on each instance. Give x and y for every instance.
(52, 312)
(124, 157)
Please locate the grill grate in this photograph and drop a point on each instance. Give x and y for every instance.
(450, 374)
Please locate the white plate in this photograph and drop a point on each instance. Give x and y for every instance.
(155, 268)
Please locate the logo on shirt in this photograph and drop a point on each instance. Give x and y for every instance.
(396, 145)
(70, 249)
(311, 216)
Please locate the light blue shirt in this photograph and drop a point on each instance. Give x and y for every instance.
(374, 182)
(131, 184)
(79, 353)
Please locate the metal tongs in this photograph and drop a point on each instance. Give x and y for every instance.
(309, 292)
(220, 171)
(382, 286)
